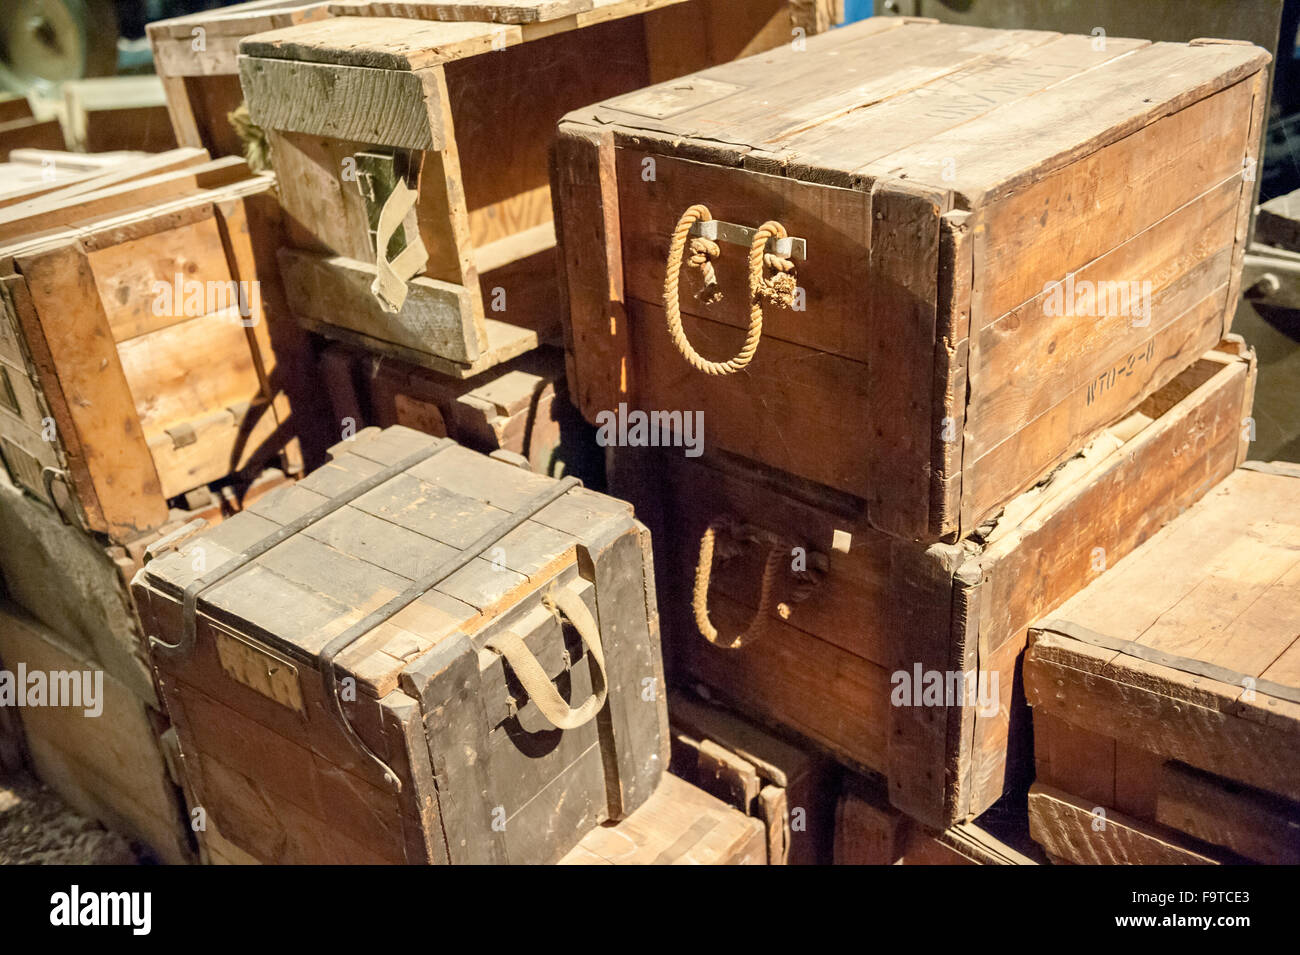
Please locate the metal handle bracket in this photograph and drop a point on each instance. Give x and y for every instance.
(733, 234)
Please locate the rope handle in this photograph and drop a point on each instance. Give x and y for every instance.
(703, 576)
(778, 290)
(532, 677)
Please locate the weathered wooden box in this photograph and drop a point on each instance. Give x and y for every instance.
(195, 58)
(1166, 696)
(845, 641)
(788, 786)
(678, 825)
(415, 654)
(104, 758)
(520, 407)
(445, 118)
(984, 246)
(140, 358)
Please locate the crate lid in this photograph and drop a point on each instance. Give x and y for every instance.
(958, 109)
(339, 569)
(1199, 624)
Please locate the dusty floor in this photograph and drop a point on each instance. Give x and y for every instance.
(38, 828)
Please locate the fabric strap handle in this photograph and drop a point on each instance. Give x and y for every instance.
(533, 678)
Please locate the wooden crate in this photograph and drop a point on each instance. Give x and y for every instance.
(868, 831)
(942, 196)
(1164, 695)
(463, 111)
(520, 407)
(20, 129)
(194, 56)
(789, 787)
(678, 825)
(388, 575)
(116, 112)
(116, 398)
(110, 766)
(852, 613)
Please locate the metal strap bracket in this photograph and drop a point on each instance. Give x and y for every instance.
(733, 234)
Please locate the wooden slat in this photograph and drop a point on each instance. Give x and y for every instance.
(436, 317)
(678, 825)
(109, 766)
(82, 376)
(384, 107)
(1249, 822)
(1068, 829)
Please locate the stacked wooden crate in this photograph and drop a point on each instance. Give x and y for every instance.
(411, 144)
(853, 262)
(415, 654)
(195, 55)
(787, 786)
(364, 106)
(519, 408)
(145, 383)
(1165, 695)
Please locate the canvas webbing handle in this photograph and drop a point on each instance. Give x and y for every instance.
(414, 592)
(539, 687)
(389, 286)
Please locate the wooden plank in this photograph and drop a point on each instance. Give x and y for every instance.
(1070, 829)
(868, 831)
(513, 11)
(1215, 810)
(56, 210)
(791, 678)
(128, 275)
(73, 350)
(318, 99)
(904, 277)
(443, 210)
(436, 318)
(98, 178)
(596, 334)
(384, 43)
(785, 410)
(678, 825)
(109, 765)
(167, 393)
(1210, 736)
